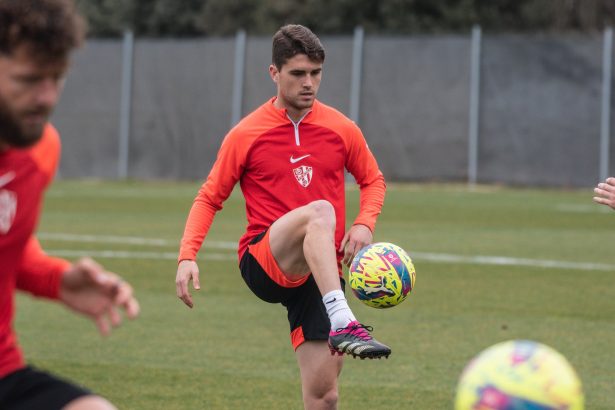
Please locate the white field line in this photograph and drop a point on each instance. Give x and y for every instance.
(509, 261)
(70, 253)
(227, 245)
(417, 256)
(127, 240)
(586, 209)
(122, 193)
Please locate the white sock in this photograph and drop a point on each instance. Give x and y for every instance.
(337, 308)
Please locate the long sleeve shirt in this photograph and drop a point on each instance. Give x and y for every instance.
(282, 165)
(24, 176)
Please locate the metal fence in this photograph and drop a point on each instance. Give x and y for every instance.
(529, 110)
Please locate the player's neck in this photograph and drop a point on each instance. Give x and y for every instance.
(293, 113)
(296, 115)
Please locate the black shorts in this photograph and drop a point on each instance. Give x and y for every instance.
(31, 389)
(307, 315)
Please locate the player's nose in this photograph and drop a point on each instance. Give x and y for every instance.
(48, 93)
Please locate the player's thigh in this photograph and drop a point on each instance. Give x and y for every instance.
(286, 240)
(319, 369)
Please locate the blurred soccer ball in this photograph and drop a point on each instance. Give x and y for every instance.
(519, 375)
(381, 275)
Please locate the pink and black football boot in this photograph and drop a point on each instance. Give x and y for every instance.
(355, 340)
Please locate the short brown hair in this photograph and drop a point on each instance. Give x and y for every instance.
(293, 39)
(52, 28)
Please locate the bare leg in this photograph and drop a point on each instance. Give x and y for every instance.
(90, 403)
(302, 241)
(319, 373)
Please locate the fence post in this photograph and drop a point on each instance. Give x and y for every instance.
(239, 68)
(605, 117)
(355, 78)
(474, 105)
(125, 104)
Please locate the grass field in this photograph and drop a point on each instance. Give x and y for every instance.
(492, 264)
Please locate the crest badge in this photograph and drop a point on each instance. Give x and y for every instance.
(303, 174)
(8, 208)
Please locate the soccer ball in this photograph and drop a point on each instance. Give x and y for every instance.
(381, 275)
(519, 375)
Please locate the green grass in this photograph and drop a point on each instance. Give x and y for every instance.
(176, 358)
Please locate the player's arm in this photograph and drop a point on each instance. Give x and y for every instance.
(199, 221)
(224, 174)
(605, 192)
(40, 274)
(84, 286)
(362, 164)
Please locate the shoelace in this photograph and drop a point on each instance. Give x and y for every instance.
(359, 330)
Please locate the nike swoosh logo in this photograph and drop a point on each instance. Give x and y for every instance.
(331, 301)
(6, 178)
(293, 160)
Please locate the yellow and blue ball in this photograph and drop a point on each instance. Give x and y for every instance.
(381, 275)
(519, 375)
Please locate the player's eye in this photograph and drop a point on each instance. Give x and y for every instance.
(28, 79)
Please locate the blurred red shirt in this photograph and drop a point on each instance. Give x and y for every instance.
(24, 176)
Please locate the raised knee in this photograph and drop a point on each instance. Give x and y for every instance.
(322, 211)
(323, 399)
(329, 400)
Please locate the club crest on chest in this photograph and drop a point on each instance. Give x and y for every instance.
(303, 174)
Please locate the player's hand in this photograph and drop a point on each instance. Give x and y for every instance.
(89, 289)
(356, 238)
(606, 192)
(187, 270)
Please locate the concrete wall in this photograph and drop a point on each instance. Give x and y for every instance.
(539, 107)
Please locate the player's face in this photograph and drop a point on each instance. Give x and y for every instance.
(298, 81)
(29, 90)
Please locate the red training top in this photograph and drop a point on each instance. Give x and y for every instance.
(282, 165)
(24, 175)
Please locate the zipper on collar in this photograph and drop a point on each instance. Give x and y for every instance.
(296, 125)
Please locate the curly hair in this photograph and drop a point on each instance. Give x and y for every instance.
(52, 28)
(293, 39)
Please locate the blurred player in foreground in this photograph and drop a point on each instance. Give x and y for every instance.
(36, 39)
(606, 192)
(289, 157)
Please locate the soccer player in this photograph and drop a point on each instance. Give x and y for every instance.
(36, 38)
(289, 157)
(606, 192)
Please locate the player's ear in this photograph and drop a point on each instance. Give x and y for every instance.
(274, 73)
